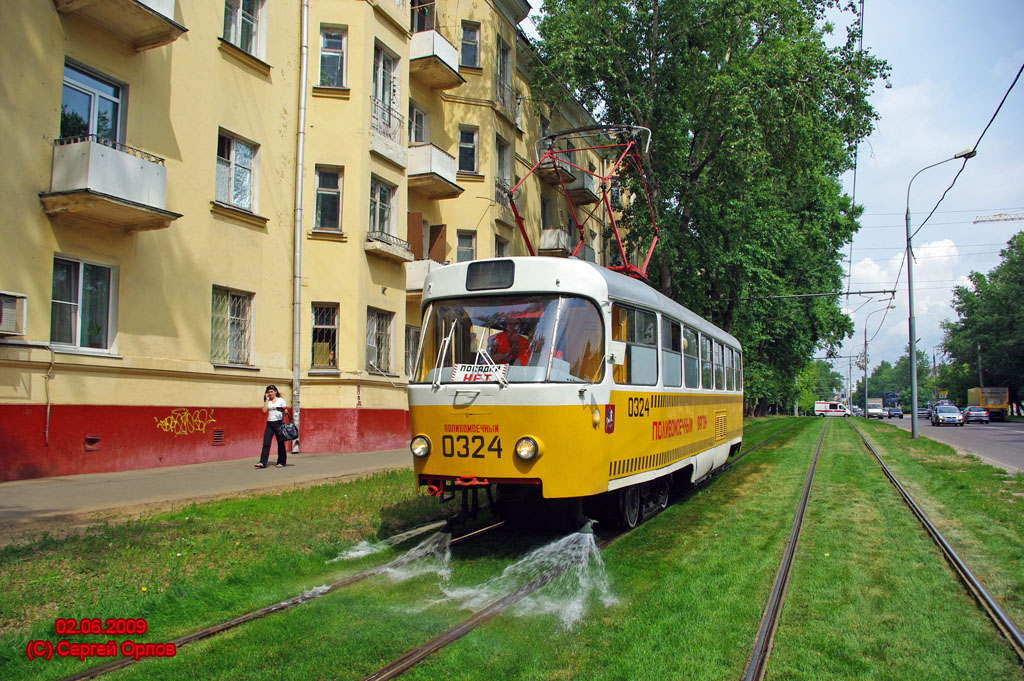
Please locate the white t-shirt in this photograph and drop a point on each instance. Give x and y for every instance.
(275, 409)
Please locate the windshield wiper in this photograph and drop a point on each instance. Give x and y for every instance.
(440, 355)
(481, 351)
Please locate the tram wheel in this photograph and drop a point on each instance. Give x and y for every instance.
(662, 492)
(629, 506)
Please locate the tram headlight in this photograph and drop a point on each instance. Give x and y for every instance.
(420, 446)
(527, 448)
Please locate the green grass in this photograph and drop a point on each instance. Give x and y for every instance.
(870, 597)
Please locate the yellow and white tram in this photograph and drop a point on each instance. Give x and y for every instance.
(555, 378)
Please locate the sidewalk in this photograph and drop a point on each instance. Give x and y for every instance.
(75, 500)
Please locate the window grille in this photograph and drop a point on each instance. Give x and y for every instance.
(378, 340)
(325, 337)
(230, 327)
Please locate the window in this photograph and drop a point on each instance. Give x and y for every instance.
(467, 150)
(719, 367)
(412, 344)
(382, 197)
(241, 24)
(230, 327)
(504, 169)
(738, 363)
(503, 77)
(89, 106)
(706, 371)
(672, 353)
(333, 42)
(423, 15)
(235, 163)
(545, 127)
(80, 307)
(329, 182)
(378, 340)
(638, 328)
(691, 359)
(466, 250)
(325, 336)
(386, 118)
(545, 213)
(470, 55)
(500, 247)
(419, 125)
(730, 376)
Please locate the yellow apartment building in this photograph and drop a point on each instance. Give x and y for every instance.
(204, 197)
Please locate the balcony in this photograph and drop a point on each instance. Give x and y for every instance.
(503, 203)
(95, 180)
(584, 189)
(416, 273)
(555, 242)
(143, 24)
(432, 172)
(434, 61)
(388, 246)
(386, 131)
(555, 171)
(507, 99)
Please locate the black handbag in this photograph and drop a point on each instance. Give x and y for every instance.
(289, 431)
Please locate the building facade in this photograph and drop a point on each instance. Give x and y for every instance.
(205, 197)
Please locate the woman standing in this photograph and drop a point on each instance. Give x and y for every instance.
(274, 406)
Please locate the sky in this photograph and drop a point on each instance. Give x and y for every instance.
(952, 62)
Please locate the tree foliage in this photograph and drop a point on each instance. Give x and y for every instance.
(753, 119)
(818, 381)
(989, 313)
(888, 377)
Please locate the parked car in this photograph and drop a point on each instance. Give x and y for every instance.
(979, 414)
(894, 412)
(924, 413)
(946, 414)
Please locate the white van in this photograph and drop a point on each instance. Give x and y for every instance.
(830, 409)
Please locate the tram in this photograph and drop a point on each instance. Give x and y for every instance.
(542, 379)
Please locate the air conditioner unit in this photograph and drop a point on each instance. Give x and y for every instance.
(13, 313)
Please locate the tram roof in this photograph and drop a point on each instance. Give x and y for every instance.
(541, 274)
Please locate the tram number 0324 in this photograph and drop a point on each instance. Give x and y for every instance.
(469, 446)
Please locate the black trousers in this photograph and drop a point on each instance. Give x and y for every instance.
(273, 430)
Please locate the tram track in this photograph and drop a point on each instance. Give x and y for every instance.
(304, 597)
(761, 650)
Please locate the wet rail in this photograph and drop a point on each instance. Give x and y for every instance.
(1002, 621)
(304, 597)
(401, 665)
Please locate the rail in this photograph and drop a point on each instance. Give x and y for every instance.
(385, 120)
(388, 238)
(107, 142)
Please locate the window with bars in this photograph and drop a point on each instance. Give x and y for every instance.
(412, 344)
(80, 306)
(231, 327)
(235, 169)
(378, 340)
(325, 336)
(242, 24)
(333, 43)
(329, 183)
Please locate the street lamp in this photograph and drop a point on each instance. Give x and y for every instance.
(888, 307)
(965, 154)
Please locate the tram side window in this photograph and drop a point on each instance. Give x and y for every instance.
(730, 374)
(671, 353)
(691, 359)
(706, 371)
(719, 367)
(639, 329)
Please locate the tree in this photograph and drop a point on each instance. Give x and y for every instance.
(753, 119)
(990, 314)
(818, 381)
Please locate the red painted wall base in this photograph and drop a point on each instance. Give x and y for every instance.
(101, 439)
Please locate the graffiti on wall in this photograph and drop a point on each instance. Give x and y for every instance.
(182, 421)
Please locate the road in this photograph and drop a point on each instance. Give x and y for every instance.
(998, 443)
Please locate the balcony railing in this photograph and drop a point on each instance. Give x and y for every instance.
(389, 239)
(123, 148)
(385, 120)
(506, 97)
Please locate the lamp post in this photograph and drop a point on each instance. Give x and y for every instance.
(887, 307)
(967, 153)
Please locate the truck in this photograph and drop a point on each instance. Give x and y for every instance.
(875, 408)
(995, 400)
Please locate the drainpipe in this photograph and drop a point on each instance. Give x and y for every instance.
(297, 265)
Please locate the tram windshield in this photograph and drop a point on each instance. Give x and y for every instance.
(512, 339)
